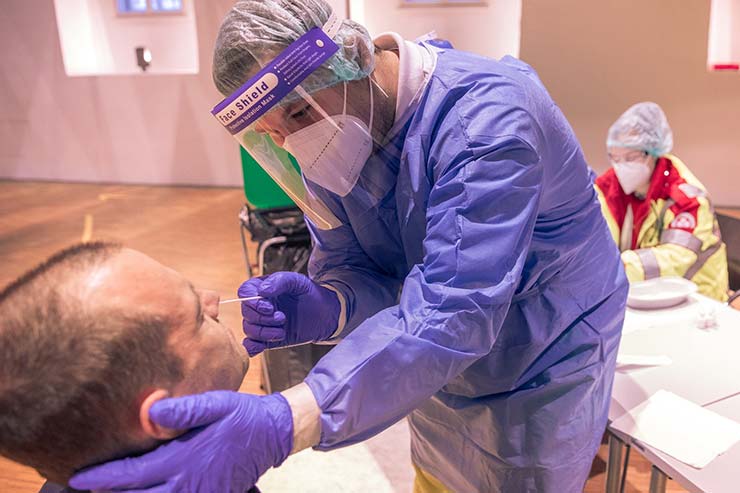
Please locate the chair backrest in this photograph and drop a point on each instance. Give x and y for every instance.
(261, 192)
(730, 228)
(50, 487)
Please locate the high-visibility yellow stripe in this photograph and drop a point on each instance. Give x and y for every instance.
(426, 483)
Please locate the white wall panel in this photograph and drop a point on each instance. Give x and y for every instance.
(96, 40)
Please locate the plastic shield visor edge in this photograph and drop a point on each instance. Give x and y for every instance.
(240, 112)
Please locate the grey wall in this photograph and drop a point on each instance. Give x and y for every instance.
(128, 129)
(599, 57)
(596, 57)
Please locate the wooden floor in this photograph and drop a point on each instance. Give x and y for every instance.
(193, 230)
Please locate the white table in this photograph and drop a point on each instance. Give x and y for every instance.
(705, 369)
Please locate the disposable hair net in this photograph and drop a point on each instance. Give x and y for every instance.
(643, 126)
(254, 32)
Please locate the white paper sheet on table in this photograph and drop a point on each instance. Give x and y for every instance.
(679, 428)
(625, 361)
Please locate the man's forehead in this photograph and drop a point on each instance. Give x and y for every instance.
(133, 279)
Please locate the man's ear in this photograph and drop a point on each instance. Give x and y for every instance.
(149, 427)
(364, 56)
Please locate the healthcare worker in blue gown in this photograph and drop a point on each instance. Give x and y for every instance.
(460, 261)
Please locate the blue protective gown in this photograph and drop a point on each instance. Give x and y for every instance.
(484, 293)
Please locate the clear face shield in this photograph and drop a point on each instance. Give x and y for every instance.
(328, 133)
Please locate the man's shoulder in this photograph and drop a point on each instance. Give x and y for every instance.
(483, 99)
(468, 79)
(475, 106)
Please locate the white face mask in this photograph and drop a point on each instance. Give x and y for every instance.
(632, 175)
(331, 158)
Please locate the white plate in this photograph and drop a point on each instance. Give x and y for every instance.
(661, 292)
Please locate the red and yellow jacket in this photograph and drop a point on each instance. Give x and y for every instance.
(672, 232)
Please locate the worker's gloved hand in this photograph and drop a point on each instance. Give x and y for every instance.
(234, 439)
(295, 310)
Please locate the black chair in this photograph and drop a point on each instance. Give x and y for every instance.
(49, 487)
(730, 228)
(284, 244)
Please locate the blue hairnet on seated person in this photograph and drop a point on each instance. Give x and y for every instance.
(643, 126)
(254, 32)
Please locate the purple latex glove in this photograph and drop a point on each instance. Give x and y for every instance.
(295, 310)
(236, 438)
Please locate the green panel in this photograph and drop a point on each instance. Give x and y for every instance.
(259, 188)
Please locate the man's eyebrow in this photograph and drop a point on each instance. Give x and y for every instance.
(198, 307)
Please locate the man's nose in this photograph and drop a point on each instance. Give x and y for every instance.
(276, 133)
(209, 302)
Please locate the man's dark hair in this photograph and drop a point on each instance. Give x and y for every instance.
(70, 374)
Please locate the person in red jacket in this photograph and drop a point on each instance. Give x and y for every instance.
(658, 212)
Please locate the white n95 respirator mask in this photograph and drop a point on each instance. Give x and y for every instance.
(332, 157)
(632, 175)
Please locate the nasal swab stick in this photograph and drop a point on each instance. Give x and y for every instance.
(250, 298)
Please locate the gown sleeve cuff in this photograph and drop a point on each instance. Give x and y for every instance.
(342, 321)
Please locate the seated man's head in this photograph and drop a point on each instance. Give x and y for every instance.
(89, 340)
